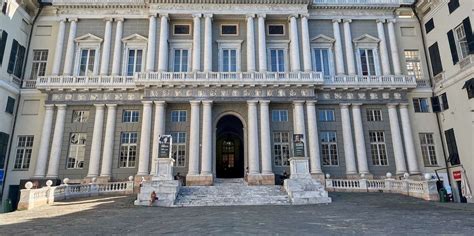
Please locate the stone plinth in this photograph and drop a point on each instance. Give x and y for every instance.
(199, 180)
(301, 187)
(261, 179)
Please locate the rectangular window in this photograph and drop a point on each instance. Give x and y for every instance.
(374, 115)
(279, 115)
(40, 58)
(277, 60)
(77, 151)
(421, 105)
(24, 149)
(10, 105)
(229, 60)
(87, 62)
(453, 5)
(229, 30)
(178, 116)
(367, 61)
(135, 61)
(181, 57)
(4, 140)
(329, 148)
(182, 30)
(435, 104)
(429, 25)
(130, 116)
(413, 63)
(321, 60)
(378, 148)
(128, 149)
(276, 30)
(281, 148)
(453, 157)
(326, 115)
(3, 44)
(80, 116)
(435, 59)
(15, 64)
(461, 41)
(179, 148)
(428, 149)
(444, 101)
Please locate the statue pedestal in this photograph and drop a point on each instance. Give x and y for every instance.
(164, 169)
(301, 187)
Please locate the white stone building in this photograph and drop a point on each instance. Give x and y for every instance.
(447, 30)
(231, 81)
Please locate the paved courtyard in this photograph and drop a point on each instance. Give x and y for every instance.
(350, 213)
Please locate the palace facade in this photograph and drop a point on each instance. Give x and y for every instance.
(231, 82)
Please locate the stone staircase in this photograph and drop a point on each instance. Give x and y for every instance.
(228, 192)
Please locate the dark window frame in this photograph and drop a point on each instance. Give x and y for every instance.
(429, 26)
(453, 5)
(10, 108)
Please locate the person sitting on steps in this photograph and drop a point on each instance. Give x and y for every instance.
(153, 198)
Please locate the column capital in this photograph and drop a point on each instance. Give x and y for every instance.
(165, 15)
(99, 106)
(347, 20)
(108, 19)
(249, 16)
(403, 105)
(311, 102)
(336, 20)
(292, 16)
(111, 105)
(262, 15)
(252, 102)
(264, 102)
(62, 19)
(357, 104)
(61, 106)
(207, 103)
(159, 103)
(208, 15)
(147, 102)
(298, 102)
(117, 19)
(381, 20)
(391, 20)
(195, 103)
(392, 105)
(344, 105)
(152, 15)
(49, 106)
(305, 15)
(197, 15)
(73, 19)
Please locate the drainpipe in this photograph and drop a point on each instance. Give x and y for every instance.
(8, 156)
(446, 162)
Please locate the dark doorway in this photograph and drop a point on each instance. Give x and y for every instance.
(14, 196)
(229, 148)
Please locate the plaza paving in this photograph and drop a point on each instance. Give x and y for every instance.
(350, 213)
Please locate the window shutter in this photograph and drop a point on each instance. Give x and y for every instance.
(453, 5)
(444, 98)
(435, 58)
(3, 148)
(470, 38)
(19, 61)
(11, 61)
(3, 44)
(452, 147)
(429, 26)
(452, 46)
(435, 104)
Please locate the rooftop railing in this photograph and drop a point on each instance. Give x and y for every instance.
(363, 2)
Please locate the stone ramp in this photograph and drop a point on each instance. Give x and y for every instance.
(231, 192)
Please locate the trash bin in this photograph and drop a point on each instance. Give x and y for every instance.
(443, 195)
(8, 206)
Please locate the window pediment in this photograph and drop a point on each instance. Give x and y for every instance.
(88, 38)
(322, 39)
(135, 39)
(366, 40)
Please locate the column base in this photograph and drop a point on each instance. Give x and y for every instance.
(261, 179)
(199, 180)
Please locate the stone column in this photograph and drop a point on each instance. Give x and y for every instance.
(253, 159)
(305, 43)
(359, 139)
(207, 42)
(104, 65)
(107, 155)
(194, 139)
(298, 122)
(163, 47)
(144, 157)
(262, 45)
(57, 142)
(265, 138)
(94, 162)
(117, 47)
(349, 49)
(250, 43)
(58, 52)
(383, 47)
(396, 139)
(151, 52)
(338, 47)
(206, 152)
(393, 47)
(69, 60)
(158, 129)
(196, 42)
(294, 45)
(40, 169)
(313, 139)
(347, 137)
(408, 138)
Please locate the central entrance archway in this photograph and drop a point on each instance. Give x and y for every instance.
(229, 147)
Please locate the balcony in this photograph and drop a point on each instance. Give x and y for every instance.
(385, 81)
(84, 82)
(97, 2)
(367, 3)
